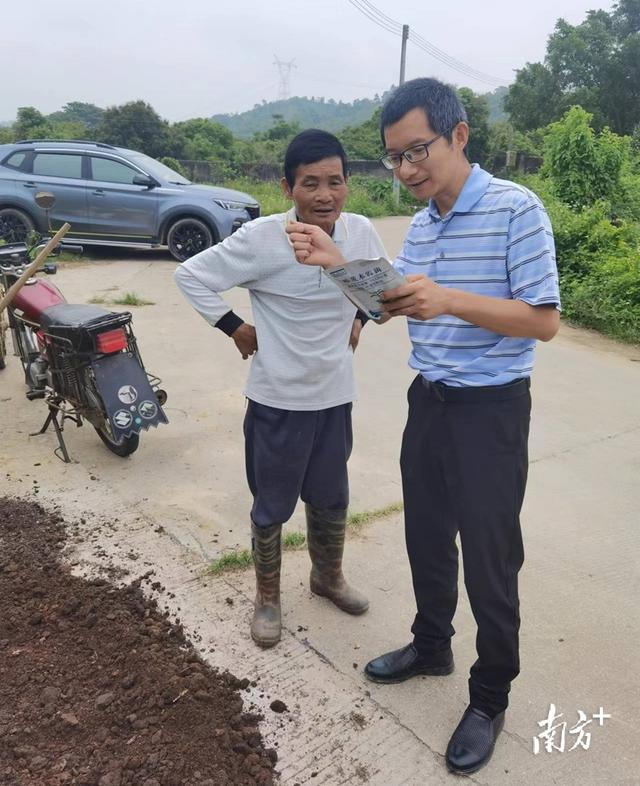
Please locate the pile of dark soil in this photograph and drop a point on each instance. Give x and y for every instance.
(98, 688)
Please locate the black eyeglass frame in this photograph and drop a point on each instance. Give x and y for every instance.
(384, 160)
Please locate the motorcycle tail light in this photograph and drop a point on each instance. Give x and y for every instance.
(111, 341)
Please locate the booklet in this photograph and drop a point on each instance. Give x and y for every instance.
(364, 280)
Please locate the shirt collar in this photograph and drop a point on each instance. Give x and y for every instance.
(473, 189)
(340, 232)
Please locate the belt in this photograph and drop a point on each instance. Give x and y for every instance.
(442, 392)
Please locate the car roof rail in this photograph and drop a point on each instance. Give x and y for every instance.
(66, 141)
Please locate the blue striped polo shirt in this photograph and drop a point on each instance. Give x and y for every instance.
(496, 241)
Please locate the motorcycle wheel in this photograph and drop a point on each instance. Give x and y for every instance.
(125, 447)
(122, 447)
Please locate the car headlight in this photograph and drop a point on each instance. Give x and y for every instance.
(228, 204)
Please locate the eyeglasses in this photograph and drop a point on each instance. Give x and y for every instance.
(411, 154)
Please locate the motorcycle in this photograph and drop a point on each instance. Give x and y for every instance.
(82, 360)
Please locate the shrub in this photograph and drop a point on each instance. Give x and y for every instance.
(174, 164)
(583, 167)
(608, 299)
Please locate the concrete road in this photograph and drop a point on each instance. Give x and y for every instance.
(580, 583)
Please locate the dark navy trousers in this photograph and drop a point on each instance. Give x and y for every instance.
(293, 454)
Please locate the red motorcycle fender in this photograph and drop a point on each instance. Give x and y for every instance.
(129, 400)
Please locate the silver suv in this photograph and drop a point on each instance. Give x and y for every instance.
(113, 197)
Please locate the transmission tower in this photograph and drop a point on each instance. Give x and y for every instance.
(284, 71)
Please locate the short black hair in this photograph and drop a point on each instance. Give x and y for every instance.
(439, 102)
(310, 146)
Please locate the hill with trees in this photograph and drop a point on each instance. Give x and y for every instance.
(308, 112)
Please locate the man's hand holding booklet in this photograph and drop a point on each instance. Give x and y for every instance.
(364, 280)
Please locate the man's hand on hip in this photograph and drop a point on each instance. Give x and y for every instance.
(246, 340)
(354, 338)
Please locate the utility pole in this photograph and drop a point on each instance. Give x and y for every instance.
(403, 61)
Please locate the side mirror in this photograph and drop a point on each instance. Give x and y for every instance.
(144, 180)
(45, 199)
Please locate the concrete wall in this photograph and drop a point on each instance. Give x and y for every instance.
(208, 172)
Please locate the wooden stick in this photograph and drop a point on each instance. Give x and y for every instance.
(46, 251)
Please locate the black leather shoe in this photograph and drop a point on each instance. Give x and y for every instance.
(402, 664)
(472, 742)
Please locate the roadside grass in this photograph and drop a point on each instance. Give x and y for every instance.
(294, 541)
(131, 299)
(234, 560)
(128, 299)
(357, 521)
(65, 257)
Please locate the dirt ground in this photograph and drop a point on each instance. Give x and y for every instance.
(181, 501)
(98, 687)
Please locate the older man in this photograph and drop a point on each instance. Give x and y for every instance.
(301, 387)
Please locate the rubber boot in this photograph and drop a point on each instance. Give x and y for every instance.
(325, 538)
(266, 622)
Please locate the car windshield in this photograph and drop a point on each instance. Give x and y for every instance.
(156, 169)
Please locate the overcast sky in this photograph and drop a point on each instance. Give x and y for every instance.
(196, 58)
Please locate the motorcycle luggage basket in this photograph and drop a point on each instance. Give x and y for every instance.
(76, 326)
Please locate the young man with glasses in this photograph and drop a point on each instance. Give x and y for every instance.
(301, 386)
(481, 287)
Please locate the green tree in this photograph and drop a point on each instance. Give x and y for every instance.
(363, 141)
(89, 115)
(135, 125)
(477, 108)
(495, 99)
(31, 124)
(6, 134)
(200, 139)
(595, 64)
(584, 167)
(503, 136)
(534, 98)
(279, 131)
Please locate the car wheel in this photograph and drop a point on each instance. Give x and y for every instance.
(187, 237)
(15, 225)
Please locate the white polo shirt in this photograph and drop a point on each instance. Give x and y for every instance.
(302, 320)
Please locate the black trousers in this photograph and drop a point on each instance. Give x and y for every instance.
(464, 469)
(296, 454)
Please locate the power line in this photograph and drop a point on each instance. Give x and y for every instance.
(380, 13)
(433, 50)
(392, 26)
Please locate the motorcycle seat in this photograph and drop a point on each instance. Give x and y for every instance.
(72, 316)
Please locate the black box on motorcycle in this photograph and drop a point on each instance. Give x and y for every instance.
(77, 325)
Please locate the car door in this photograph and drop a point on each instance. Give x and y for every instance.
(119, 210)
(60, 173)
